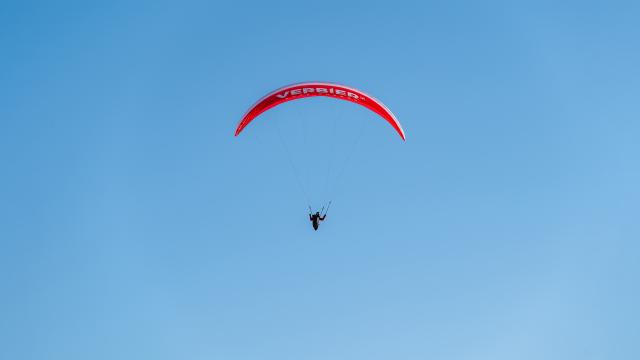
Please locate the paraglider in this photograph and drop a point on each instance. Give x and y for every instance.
(313, 89)
(315, 219)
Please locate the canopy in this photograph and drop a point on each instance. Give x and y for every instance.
(309, 89)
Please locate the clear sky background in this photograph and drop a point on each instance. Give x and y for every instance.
(133, 225)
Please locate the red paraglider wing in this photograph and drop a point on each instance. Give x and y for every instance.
(302, 90)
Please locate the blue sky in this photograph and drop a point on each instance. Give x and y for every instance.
(134, 225)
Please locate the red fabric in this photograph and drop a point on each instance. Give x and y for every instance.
(302, 90)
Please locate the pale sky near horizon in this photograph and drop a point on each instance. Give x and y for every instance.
(134, 225)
